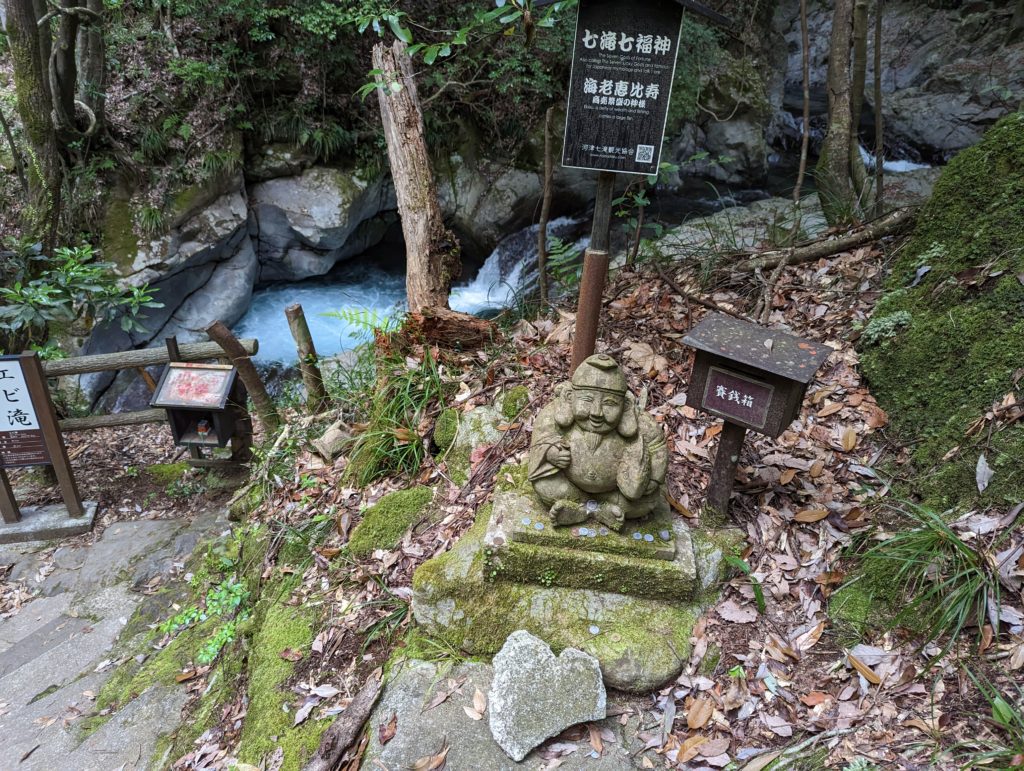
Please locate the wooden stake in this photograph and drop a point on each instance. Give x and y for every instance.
(8, 505)
(316, 395)
(595, 273)
(545, 213)
(47, 415)
(723, 477)
(221, 335)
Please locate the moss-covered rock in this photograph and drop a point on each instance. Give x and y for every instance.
(385, 522)
(940, 353)
(270, 719)
(445, 429)
(515, 401)
(166, 473)
(640, 643)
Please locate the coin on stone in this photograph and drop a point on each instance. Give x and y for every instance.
(538, 526)
(638, 536)
(649, 538)
(527, 521)
(595, 629)
(665, 535)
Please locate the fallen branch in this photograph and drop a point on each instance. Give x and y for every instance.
(889, 225)
(346, 729)
(449, 329)
(694, 299)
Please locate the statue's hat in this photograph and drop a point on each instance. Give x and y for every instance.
(601, 373)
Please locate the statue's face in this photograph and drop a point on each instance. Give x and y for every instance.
(598, 412)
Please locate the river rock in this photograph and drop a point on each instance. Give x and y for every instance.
(304, 223)
(536, 695)
(421, 732)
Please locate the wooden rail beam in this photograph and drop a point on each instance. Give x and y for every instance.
(114, 421)
(145, 357)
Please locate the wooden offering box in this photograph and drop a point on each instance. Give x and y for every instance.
(198, 400)
(751, 376)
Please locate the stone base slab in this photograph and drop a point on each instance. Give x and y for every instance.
(576, 562)
(526, 521)
(47, 523)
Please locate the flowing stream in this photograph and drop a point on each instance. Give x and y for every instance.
(373, 294)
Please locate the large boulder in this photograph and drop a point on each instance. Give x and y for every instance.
(305, 223)
(944, 348)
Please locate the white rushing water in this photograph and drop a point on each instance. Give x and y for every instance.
(895, 167)
(355, 287)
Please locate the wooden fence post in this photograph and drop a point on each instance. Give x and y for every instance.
(221, 335)
(316, 394)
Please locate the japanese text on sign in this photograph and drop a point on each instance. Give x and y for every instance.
(623, 67)
(737, 398)
(16, 410)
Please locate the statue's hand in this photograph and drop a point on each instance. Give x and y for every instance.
(559, 456)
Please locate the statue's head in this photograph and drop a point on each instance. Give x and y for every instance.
(599, 401)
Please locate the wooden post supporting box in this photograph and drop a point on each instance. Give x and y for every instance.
(752, 377)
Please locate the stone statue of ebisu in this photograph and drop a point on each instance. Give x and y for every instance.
(595, 453)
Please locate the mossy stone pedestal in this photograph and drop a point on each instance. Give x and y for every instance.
(651, 558)
(568, 590)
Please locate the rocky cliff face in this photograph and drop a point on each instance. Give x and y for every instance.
(951, 70)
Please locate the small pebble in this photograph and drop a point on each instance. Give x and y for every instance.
(594, 755)
(638, 536)
(649, 538)
(665, 535)
(595, 630)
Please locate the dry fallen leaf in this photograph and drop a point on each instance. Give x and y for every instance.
(387, 730)
(864, 669)
(699, 713)
(811, 515)
(715, 747)
(814, 698)
(730, 611)
(479, 701)
(762, 762)
(830, 409)
(472, 713)
(432, 762)
(787, 476)
(689, 749)
(849, 440)
(809, 639)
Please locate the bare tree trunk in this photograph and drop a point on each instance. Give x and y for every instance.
(30, 55)
(92, 65)
(833, 170)
(879, 116)
(545, 212)
(858, 171)
(805, 140)
(432, 250)
(317, 399)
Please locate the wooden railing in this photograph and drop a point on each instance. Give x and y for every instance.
(146, 357)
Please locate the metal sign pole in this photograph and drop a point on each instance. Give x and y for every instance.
(595, 273)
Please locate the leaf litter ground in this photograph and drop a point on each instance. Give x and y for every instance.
(757, 684)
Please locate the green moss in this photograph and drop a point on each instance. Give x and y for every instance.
(514, 478)
(456, 604)
(166, 473)
(268, 724)
(120, 244)
(709, 664)
(384, 523)
(446, 429)
(960, 335)
(515, 401)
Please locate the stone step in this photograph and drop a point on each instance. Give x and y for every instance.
(61, 664)
(573, 565)
(36, 614)
(44, 639)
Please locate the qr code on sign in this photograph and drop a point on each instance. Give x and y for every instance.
(645, 153)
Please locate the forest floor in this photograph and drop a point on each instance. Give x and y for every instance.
(790, 673)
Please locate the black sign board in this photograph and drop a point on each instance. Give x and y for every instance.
(623, 65)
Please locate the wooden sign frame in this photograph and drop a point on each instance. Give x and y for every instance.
(31, 370)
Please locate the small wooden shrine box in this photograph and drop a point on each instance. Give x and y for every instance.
(202, 403)
(749, 375)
